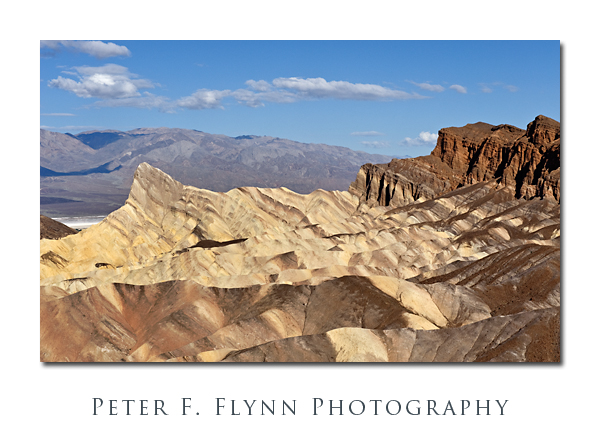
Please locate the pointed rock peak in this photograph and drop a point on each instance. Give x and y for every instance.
(546, 120)
(144, 167)
(147, 177)
(151, 183)
(543, 130)
(145, 170)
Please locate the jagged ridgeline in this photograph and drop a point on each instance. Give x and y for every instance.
(449, 257)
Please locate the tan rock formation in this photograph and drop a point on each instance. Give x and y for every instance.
(528, 336)
(464, 273)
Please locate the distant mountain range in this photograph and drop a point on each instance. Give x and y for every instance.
(91, 172)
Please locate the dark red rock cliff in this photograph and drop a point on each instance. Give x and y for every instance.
(527, 160)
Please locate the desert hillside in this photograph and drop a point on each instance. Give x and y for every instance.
(450, 257)
(51, 229)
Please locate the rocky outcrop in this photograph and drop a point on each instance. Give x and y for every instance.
(345, 319)
(528, 160)
(255, 274)
(506, 339)
(187, 321)
(51, 229)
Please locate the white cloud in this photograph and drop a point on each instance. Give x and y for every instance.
(292, 89)
(319, 88)
(95, 48)
(146, 100)
(203, 99)
(511, 88)
(120, 88)
(257, 99)
(428, 137)
(458, 89)
(105, 82)
(260, 85)
(248, 98)
(376, 144)
(366, 133)
(424, 138)
(429, 87)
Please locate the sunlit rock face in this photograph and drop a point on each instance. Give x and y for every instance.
(527, 160)
(462, 265)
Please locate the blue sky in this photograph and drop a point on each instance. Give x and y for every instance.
(388, 97)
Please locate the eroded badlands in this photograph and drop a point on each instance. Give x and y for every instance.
(468, 272)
